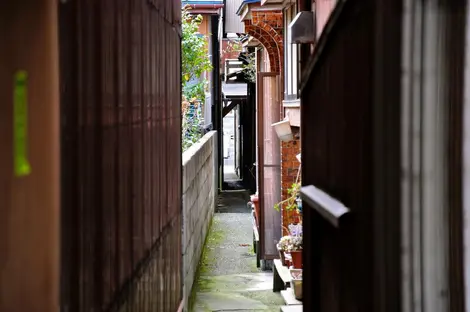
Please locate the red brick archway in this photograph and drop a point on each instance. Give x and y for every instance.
(267, 28)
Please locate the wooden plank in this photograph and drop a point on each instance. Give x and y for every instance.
(289, 297)
(279, 283)
(330, 208)
(227, 109)
(282, 270)
(292, 308)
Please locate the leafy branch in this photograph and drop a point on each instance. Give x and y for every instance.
(195, 55)
(294, 191)
(249, 69)
(195, 61)
(290, 203)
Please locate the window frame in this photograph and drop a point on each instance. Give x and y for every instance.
(291, 58)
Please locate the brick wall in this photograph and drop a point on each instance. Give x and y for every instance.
(289, 169)
(267, 28)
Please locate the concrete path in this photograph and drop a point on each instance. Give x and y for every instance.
(228, 277)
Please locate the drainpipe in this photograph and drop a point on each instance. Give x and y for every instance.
(204, 12)
(205, 8)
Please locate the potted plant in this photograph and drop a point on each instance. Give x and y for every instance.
(292, 244)
(295, 245)
(283, 247)
(295, 251)
(296, 283)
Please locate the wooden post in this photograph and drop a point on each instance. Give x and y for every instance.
(29, 202)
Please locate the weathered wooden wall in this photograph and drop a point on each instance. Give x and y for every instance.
(121, 155)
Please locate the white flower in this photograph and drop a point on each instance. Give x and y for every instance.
(295, 229)
(285, 242)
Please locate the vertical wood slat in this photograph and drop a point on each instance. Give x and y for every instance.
(351, 116)
(456, 49)
(336, 145)
(126, 193)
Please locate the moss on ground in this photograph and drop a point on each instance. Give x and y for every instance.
(227, 260)
(214, 237)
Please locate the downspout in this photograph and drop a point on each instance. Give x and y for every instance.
(205, 6)
(216, 101)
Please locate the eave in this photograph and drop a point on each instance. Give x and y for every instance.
(203, 7)
(282, 3)
(245, 9)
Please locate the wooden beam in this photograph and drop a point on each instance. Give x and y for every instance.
(228, 109)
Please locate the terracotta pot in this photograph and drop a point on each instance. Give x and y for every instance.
(288, 259)
(296, 282)
(296, 259)
(254, 199)
(282, 256)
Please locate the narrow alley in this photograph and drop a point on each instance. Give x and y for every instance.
(235, 155)
(228, 279)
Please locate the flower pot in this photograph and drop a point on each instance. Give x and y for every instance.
(282, 256)
(296, 283)
(254, 199)
(288, 259)
(296, 259)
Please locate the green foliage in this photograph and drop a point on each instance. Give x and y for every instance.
(250, 68)
(195, 91)
(290, 203)
(195, 58)
(191, 123)
(232, 46)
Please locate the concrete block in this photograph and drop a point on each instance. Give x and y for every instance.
(198, 203)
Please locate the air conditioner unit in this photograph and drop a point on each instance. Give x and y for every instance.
(303, 28)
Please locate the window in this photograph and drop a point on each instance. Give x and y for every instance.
(290, 58)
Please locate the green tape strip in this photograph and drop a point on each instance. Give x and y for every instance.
(20, 124)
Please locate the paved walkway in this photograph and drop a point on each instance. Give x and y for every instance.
(228, 277)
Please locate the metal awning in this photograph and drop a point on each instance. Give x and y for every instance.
(234, 89)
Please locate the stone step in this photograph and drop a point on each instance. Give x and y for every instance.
(292, 308)
(289, 297)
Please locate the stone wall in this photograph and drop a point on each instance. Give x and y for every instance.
(199, 202)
